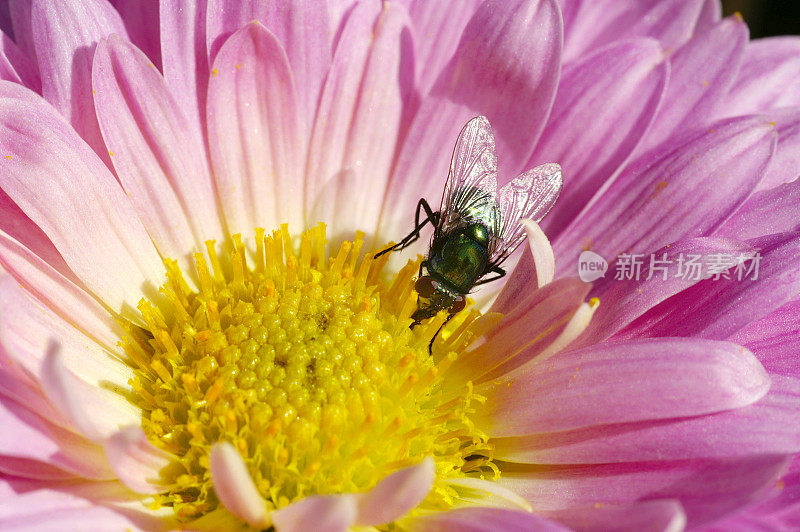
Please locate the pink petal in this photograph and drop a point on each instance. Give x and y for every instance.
(136, 461)
(7, 71)
(785, 164)
(353, 143)
(765, 427)
(728, 305)
(65, 34)
(702, 71)
(71, 396)
(16, 225)
(59, 294)
(601, 22)
(526, 329)
(20, 11)
(28, 328)
(141, 22)
(45, 506)
(15, 65)
(32, 469)
(569, 13)
(781, 502)
(709, 16)
(159, 158)
(774, 339)
(90, 518)
(83, 369)
(615, 93)
(523, 279)
(767, 212)
(624, 300)
(184, 57)
(397, 494)
(749, 521)
(302, 27)
(525, 34)
(330, 513)
(225, 18)
(18, 385)
(64, 188)
(437, 33)
(645, 516)
(254, 132)
(769, 77)
(664, 378)
(572, 330)
(235, 488)
(28, 436)
(584, 22)
(508, 59)
(529, 358)
(707, 489)
(339, 11)
(422, 167)
(484, 520)
(663, 196)
(5, 19)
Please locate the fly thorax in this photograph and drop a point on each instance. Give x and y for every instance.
(460, 260)
(479, 233)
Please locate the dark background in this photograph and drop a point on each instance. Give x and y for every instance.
(767, 17)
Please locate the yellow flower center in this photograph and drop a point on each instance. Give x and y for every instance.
(307, 365)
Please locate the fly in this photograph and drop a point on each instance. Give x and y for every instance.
(477, 226)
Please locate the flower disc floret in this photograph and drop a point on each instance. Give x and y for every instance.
(307, 365)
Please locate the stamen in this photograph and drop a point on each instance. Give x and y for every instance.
(307, 366)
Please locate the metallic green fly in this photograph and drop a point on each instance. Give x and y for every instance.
(477, 227)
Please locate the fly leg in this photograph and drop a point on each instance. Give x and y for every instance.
(494, 269)
(416, 316)
(413, 236)
(430, 345)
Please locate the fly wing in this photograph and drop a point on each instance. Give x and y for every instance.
(530, 195)
(469, 194)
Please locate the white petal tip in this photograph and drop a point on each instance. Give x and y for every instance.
(235, 488)
(487, 493)
(543, 257)
(60, 387)
(136, 461)
(397, 494)
(321, 513)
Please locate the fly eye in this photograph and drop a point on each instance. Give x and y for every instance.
(426, 286)
(458, 304)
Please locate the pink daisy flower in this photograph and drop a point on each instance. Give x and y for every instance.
(195, 332)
